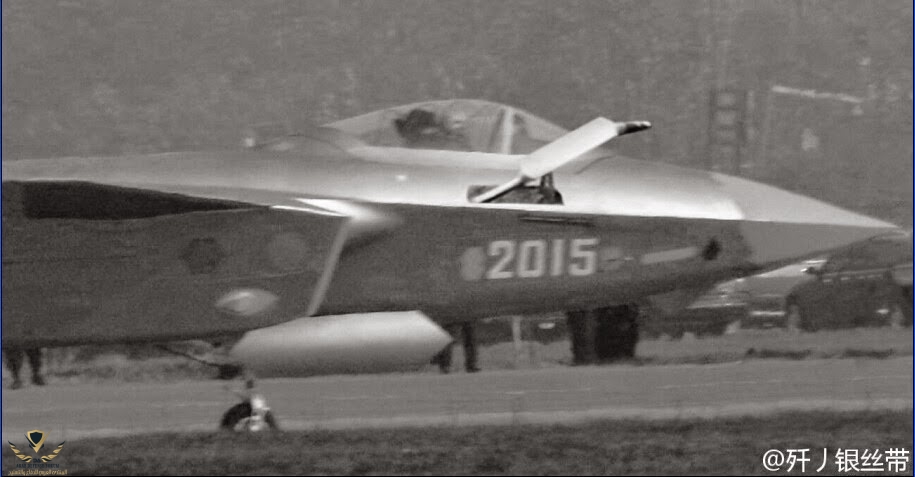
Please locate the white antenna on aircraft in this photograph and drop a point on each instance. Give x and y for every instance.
(567, 148)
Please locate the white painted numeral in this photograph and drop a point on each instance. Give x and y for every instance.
(559, 253)
(505, 250)
(532, 259)
(583, 257)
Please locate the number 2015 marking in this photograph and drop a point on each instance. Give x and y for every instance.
(535, 258)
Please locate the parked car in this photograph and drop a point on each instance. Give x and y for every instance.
(766, 293)
(724, 306)
(902, 275)
(864, 285)
(543, 328)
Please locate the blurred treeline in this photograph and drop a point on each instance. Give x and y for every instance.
(117, 76)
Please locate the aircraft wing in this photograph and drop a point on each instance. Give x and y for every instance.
(81, 260)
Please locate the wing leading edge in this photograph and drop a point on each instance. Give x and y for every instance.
(92, 263)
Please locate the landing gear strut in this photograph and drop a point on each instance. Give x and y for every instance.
(251, 415)
(603, 334)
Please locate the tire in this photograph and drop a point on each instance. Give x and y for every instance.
(234, 416)
(617, 333)
(631, 340)
(581, 336)
(235, 419)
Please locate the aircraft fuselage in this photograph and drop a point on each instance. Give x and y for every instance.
(463, 263)
(626, 229)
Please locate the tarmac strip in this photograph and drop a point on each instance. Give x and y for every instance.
(546, 396)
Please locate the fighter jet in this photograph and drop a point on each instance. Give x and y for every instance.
(443, 211)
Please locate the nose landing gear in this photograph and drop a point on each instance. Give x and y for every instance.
(251, 415)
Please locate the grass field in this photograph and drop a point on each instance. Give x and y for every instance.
(746, 344)
(876, 343)
(695, 446)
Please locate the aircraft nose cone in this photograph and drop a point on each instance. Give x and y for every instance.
(779, 225)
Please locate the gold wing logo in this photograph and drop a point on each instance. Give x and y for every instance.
(36, 438)
(20, 455)
(52, 455)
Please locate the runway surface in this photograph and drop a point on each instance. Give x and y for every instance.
(496, 397)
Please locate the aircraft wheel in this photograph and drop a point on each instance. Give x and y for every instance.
(582, 336)
(236, 418)
(630, 339)
(235, 415)
(617, 333)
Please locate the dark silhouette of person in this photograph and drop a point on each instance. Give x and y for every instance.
(14, 360)
(443, 358)
(417, 128)
(422, 129)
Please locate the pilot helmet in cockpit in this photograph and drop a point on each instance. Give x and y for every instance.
(426, 130)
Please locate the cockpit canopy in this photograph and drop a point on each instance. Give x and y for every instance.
(460, 125)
